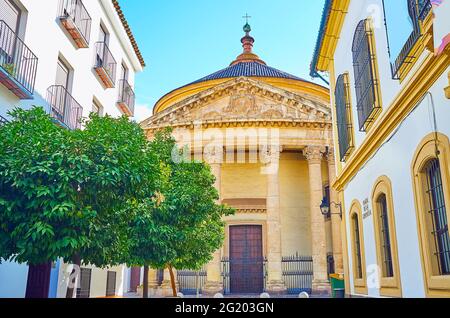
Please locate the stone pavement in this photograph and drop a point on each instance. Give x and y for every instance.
(134, 295)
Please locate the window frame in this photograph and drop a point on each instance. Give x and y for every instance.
(360, 284)
(96, 103)
(345, 77)
(435, 285)
(389, 286)
(366, 121)
(19, 10)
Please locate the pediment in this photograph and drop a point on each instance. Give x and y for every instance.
(243, 99)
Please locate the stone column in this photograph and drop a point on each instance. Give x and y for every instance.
(153, 286)
(321, 285)
(214, 283)
(166, 286)
(275, 283)
(335, 217)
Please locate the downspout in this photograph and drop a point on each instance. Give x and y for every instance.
(316, 74)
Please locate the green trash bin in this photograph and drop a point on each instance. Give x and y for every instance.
(337, 286)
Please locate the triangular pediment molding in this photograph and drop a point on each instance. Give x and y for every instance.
(241, 100)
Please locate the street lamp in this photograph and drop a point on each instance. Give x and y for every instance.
(325, 207)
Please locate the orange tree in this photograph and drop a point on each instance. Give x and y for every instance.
(64, 194)
(181, 227)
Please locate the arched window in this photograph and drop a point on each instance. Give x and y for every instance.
(385, 238)
(357, 247)
(366, 75)
(437, 211)
(344, 116)
(357, 243)
(432, 198)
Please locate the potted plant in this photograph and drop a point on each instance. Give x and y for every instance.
(10, 68)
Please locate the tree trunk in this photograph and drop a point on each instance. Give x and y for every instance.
(145, 291)
(71, 291)
(172, 281)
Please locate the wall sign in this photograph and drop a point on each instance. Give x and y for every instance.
(366, 209)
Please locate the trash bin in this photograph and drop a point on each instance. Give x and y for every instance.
(337, 286)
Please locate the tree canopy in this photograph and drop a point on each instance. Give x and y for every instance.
(183, 226)
(64, 193)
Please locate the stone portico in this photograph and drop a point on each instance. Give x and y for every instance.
(267, 136)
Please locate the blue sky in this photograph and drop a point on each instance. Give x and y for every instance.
(184, 40)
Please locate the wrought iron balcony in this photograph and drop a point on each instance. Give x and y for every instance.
(18, 64)
(64, 108)
(126, 98)
(105, 64)
(421, 9)
(76, 20)
(405, 56)
(425, 7)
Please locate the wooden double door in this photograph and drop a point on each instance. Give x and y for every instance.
(246, 259)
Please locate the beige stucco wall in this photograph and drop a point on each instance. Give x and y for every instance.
(243, 181)
(294, 205)
(240, 181)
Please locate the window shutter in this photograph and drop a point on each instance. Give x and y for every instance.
(10, 14)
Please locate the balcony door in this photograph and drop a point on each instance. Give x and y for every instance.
(10, 13)
(123, 72)
(59, 98)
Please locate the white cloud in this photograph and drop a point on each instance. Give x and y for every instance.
(142, 112)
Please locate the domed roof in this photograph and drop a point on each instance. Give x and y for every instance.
(248, 69)
(247, 64)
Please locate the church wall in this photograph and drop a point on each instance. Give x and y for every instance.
(294, 205)
(243, 181)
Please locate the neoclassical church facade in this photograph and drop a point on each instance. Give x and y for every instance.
(268, 138)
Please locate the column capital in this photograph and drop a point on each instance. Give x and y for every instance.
(314, 153)
(270, 153)
(213, 154)
(331, 155)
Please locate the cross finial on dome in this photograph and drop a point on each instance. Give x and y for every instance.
(247, 43)
(247, 27)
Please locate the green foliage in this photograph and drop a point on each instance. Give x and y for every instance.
(10, 68)
(65, 193)
(104, 194)
(40, 219)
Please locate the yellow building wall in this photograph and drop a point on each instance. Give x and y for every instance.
(243, 181)
(294, 205)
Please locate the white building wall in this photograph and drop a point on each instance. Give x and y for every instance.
(98, 280)
(395, 157)
(48, 40)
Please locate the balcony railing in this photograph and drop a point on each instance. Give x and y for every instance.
(64, 108)
(105, 64)
(425, 7)
(77, 21)
(18, 64)
(126, 98)
(3, 121)
(406, 55)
